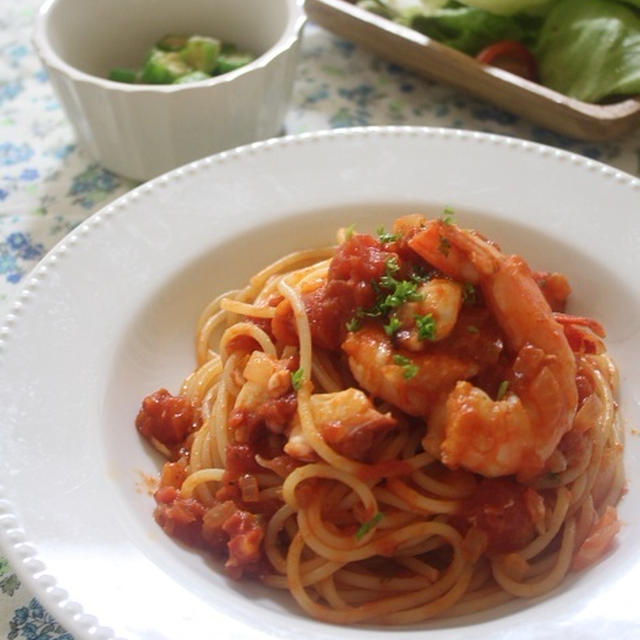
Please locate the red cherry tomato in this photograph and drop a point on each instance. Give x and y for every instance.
(512, 56)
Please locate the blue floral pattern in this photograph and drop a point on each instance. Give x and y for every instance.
(14, 153)
(16, 252)
(48, 185)
(32, 622)
(93, 185)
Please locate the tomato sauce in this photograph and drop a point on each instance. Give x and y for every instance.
(555, 288)
(166, 418)
(328, 309)
(272, 416)
(357, 262)
(179, 517)
(245, 541)
(385, 469)
(226, 528)
(500, 508)
(360, 259)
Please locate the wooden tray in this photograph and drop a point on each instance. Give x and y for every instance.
(424, 56)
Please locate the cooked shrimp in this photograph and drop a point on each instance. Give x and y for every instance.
(440, 304)
(408, 224)
(265, 377)
(519, 431)
(410, 381)
(348, 422)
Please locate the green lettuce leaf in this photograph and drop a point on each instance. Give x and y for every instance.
(590, 50)
(401, 11)
(509, 7)
(469, 29)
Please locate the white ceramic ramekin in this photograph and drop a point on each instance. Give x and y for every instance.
(141, 131)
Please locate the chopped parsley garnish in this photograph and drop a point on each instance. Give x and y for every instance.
(404, 291)
(367, 526)
(502, 389)
(448, 215)
(387, 281)
(296, 378)
(553, 476)
(444, 246)
(349, 231)
(469, 294)
(385, 238)
(390, 292)
(392, 326)
(426, 326)
(471, 328)
(353, 324)
(409, 369)
(392, 265)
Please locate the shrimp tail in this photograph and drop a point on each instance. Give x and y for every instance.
(583, 334)
(441, 246)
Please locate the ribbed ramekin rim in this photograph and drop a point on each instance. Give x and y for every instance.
(290, 36)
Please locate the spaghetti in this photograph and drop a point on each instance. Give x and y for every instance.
(394, 429)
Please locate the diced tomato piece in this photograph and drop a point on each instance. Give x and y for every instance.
(240, 460)
(360, 259)
(500, 508)
(166, 418)
(246, 535)
(329, 308)
(180, 518)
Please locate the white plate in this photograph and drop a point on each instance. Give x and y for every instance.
(109, 314)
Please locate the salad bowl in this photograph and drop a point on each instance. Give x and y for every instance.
(431, 59)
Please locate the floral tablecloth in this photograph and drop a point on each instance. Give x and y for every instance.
(48, 185)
